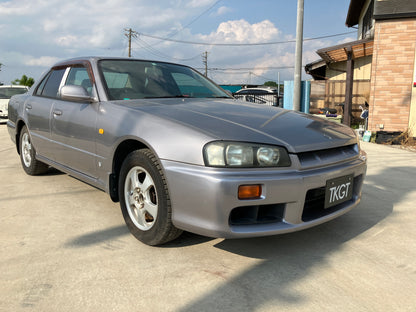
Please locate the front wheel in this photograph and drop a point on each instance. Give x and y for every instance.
(144, 199)
(30, 164)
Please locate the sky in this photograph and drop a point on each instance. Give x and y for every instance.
(35, 34)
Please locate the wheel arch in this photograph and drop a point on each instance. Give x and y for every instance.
(121, 152)
(19, 125)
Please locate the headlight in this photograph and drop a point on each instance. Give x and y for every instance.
(247, 155)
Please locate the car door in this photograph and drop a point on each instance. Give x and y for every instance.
(37, 110)
(73, 126)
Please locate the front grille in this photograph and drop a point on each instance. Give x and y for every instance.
(323, 157)
(257, 214)
(314, 205)
(315, 202)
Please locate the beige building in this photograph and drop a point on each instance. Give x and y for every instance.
(385, 53)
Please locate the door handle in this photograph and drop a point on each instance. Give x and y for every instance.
(57, 112)
(28, 106)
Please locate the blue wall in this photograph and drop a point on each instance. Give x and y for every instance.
(231, 88)
(305, 95)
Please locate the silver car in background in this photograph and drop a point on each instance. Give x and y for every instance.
(179, 153)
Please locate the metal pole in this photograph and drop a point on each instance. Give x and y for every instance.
(349, 89)
(205, 62)
(298, 57)
(278, 83)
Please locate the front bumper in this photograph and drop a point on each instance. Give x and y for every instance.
(204, 200)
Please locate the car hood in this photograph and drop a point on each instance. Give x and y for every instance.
(238, 121)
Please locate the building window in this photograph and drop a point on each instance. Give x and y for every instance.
(368, 22)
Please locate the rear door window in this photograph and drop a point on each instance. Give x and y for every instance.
(51, 84)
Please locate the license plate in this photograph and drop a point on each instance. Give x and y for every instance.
(338, 190)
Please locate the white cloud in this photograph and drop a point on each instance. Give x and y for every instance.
(46, 61)
(16, 8)
(44, 31)
(346, 40)
(50, 25)
(67, 41)
(222, 10)
(242, 31)
(199, 3)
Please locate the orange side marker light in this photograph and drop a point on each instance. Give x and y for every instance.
(249, 191)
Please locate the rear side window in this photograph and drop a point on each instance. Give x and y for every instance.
(49, 87)
(42, 85)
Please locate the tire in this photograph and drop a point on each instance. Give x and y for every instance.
(30, 164)
(144, 199)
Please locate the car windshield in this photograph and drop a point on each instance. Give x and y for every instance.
(133, 79)
(7, 93)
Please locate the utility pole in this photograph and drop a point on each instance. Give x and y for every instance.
(348, 88)
(278, 84)
(205, 62)
(298, 58)
(129, 34)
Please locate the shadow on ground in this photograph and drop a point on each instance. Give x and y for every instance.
(285, 259)
(288, 258)
(98, 237)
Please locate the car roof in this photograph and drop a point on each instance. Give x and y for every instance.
(95, 59)
(262, 89)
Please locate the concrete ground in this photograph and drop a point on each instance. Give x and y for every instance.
(64, 247)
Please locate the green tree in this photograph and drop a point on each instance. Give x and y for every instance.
(274, 85)
(270, 84)
(24, 81)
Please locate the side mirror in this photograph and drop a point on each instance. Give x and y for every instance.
(75, 93)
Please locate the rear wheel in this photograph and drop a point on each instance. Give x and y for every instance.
(30, 164)
(144, 199)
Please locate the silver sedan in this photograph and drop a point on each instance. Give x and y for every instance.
(179, 153)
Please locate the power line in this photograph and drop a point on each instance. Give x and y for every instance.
(248, 68)
(143, 44)
(260, 76)
(241, 44)
(194, 20)
(187, 25)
